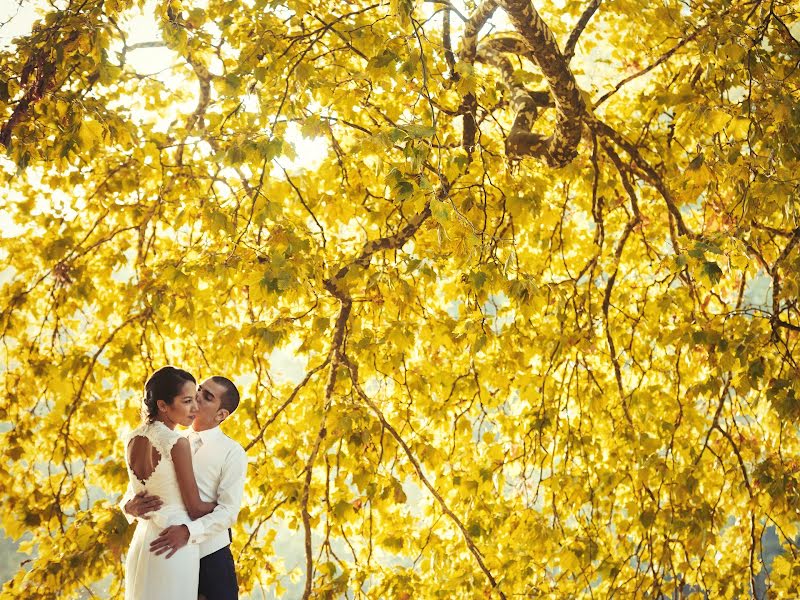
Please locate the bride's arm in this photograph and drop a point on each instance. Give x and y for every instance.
(182, 458)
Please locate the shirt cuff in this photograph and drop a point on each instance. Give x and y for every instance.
(196, 530)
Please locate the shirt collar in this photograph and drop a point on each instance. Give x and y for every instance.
(209, 435)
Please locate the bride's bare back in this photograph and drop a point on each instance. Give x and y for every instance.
(143, 458)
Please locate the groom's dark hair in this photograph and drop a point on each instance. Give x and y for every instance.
(230, 398)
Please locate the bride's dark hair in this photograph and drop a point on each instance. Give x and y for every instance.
(164, 384)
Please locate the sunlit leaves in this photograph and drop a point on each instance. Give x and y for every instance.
(605, 403)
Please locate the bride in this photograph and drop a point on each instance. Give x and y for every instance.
(159, 461)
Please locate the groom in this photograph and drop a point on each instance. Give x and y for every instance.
(219, 468)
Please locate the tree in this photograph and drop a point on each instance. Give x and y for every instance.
(523, 283)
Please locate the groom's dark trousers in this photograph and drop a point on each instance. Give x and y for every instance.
(218, 576)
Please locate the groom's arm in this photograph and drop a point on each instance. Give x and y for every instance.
(229, 499)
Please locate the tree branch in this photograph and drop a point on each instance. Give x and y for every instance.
(776, 278)
(353, 369)
(469, 40)
(37, 78)
(196, 118)
(560, 148)
(650, 173)
(588, 13)
(469, 45)
(334, 357)
(492, 50)
(781, 323)
(606, 304)
(305, 205)
(288, 401)
(141, 45)
(332, 284)
(448, 44)
(753, 539)
(661, 59)
(449, 6)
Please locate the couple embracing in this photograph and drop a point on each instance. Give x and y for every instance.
(185, 489)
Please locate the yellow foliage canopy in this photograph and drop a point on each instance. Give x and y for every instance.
(539, 276)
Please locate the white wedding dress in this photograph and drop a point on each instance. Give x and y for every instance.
(147, 576)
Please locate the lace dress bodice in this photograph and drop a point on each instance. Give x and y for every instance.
(162, 481)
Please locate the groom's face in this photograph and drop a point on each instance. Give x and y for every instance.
(209, 412)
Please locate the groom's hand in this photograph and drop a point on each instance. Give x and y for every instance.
(141, 504)
(170, 540)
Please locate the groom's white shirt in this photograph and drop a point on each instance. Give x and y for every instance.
(220, 466)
